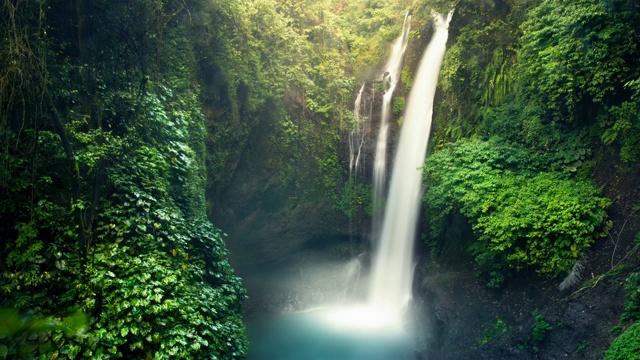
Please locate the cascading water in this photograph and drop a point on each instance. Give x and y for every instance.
(373, 330)
(391, 76)
(392, 274)
(356, 137)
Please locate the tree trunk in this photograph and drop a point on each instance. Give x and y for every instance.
(89, 106)
(75, 176)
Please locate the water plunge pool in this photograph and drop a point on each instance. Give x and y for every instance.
(332, 333)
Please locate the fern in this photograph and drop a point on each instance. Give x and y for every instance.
(573, 277)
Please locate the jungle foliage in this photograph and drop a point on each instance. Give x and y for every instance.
(106, 247)
(322, 51)
(627, 345)
(529, 90)
(334, 43)
(116, 115)
(523, 215)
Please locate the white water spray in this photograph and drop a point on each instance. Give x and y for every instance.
(392, 272)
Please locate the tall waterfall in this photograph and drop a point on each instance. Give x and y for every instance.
(376, 328)
(391, 76)
(392, 272)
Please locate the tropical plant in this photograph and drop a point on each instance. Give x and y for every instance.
(626, 346)
(540, 327)
(521, 215)
(102, 203)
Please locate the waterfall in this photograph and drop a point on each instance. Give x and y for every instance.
(356, 136)
(362, 138)
(376, 328)
(391, 76)
(392, 271)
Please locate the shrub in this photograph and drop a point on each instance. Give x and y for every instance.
(626, 346)
(398, 105)
(632, 298)
(496, 330)
(540, 327)
(522, 215)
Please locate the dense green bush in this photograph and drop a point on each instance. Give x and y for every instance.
(156, 281)
(102, 207)
(626, 346)
(159, 278)
(522, 216)
(577, 50)
(632, 298)
(622, 123)
(478, 69)
(540, 327)
(398, 105)
(577, 66)
(539, 72)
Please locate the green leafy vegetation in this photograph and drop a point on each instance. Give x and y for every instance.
(356, 199)
(20, 335)
(102, 196)
(540, 327)
(398, 105)
(531, 75)
(117, 116)
(110, 139)
(539, 73)
(632, 298)
(624, 125)
(558, 35)
(326, 39)
(625, 346)
(493, 332)
(521, 215)
(477, 72)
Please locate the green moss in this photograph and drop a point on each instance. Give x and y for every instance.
(398, 105)
(496, 330)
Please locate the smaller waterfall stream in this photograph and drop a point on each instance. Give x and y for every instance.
(391, 76)
(356, 136)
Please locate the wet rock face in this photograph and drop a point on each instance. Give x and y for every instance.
(364, 135)
(273, 238)
(461, 315)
